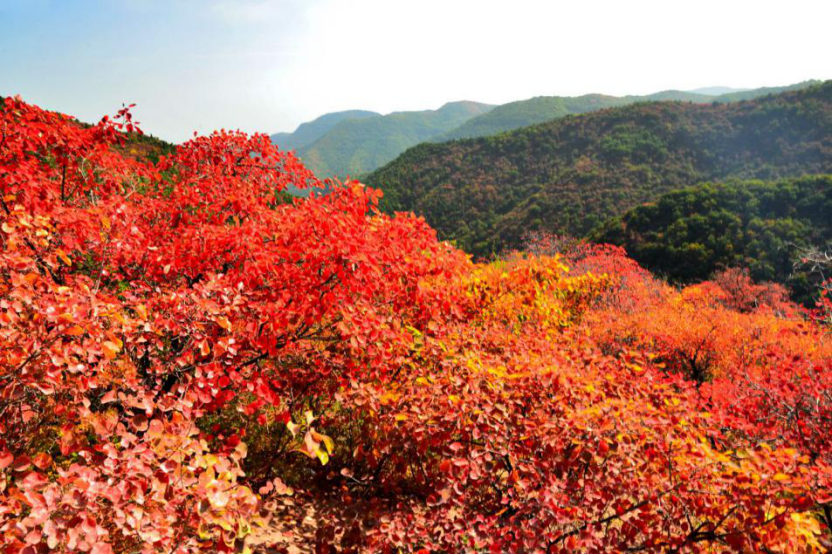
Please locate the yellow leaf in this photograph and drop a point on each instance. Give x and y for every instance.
(110, 349)
(322, 455)
(223, 322)
(293, 428)
(64, 258)
(780, 477)
(243, 528)
(204, 532)
(119, 318)
(330, 445)
(141, 310)
(400, 417)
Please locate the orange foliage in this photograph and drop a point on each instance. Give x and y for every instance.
(177, 345)
(708, 330)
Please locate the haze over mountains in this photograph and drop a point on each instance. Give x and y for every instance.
(355, 142)
(716, 91)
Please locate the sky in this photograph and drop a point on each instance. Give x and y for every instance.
(269, 65)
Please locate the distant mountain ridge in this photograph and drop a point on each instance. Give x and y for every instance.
(717, 91)
(355, 142)
(571, 174)
(522, 113)
(309, 132)
(356, 146)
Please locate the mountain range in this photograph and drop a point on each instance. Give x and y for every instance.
(356, 146)
(311, 131)
(355, 142)
(571, 174)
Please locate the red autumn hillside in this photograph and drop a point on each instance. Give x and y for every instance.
(187, 360)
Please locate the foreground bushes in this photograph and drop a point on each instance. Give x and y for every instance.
(178, 344)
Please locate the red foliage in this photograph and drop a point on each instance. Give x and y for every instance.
(733, 288)
(176, 343)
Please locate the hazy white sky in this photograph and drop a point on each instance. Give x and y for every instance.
(268, 65)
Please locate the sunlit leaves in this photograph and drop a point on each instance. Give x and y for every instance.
(171, 338)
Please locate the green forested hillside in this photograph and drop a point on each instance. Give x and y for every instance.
(689, 233)
(571, 174)
(527, 112)
(311, 131)
(354, 142)
(356, 146)
(757, 93)
(545, 108)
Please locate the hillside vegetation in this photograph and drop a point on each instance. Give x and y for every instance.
(349, 146)
(545, 108)
(528, 112)
(309, 132)
(356, 146)
(688, 234)
(570, 175)
(188, 363)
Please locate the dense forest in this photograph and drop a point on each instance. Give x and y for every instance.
(354, 142)
(191, 361)
(522, 113)
(689, 234)
(570, 175)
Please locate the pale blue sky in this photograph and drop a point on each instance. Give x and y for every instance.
(267, 65)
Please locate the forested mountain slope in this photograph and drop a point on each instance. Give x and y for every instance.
(357, 146)
(545, 108)
(354, 142)
(311, 131)
(571, 174)
(690, 233)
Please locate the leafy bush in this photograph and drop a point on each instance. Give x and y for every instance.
(182, 353)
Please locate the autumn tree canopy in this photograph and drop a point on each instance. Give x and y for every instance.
(185, 356)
